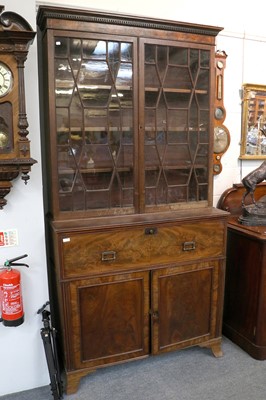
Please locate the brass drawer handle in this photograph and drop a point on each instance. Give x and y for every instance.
(108, 255)
(189, 246)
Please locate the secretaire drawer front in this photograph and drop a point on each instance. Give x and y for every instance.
(89, 253)
(96, 253)
(187, 242)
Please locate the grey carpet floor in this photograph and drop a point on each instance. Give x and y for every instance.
(190, 374)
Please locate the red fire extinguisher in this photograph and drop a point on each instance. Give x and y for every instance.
(10, 293)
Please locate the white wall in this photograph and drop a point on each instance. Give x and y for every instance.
(22, 362)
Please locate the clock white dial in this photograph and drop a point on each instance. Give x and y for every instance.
(6, 79)
(221, 139)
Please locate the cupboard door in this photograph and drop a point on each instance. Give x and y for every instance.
(110, 319)
(184, 304)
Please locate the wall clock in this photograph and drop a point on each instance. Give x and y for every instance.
(221, 140)
(221, 143)
(16, 36)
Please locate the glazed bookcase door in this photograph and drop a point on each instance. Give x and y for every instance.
(174, 117)
(94, 113)
(132, 122)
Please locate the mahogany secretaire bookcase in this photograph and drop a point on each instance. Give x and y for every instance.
(136, 250)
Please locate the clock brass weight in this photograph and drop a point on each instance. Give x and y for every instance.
(16, 36)
(221, 139)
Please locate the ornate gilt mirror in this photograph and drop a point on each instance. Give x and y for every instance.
(253, 131)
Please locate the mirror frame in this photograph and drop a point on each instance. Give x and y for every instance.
(253, 93)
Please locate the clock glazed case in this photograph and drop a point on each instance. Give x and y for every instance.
(136, 250)
(16, 36)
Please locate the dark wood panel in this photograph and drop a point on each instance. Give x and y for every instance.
(242, 284)
(181, 320)
(111, 319)
(118, 322)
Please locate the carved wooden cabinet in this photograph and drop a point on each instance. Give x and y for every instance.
(136, 249)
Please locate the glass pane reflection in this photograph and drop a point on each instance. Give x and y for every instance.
(94, 114)
(176, 124)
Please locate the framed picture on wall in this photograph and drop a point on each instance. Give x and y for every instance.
(253, 129)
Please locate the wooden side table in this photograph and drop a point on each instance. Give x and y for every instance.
(244, 320)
